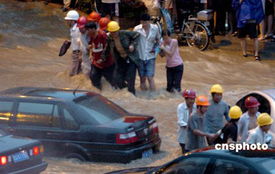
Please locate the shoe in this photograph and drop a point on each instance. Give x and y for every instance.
(64, 9)
(245, 55)
(257, 58)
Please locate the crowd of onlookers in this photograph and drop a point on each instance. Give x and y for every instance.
(205, 122)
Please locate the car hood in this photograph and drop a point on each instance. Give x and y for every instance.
(140, 170)
(12, 142)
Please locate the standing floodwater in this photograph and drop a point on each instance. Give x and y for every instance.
(32, 33)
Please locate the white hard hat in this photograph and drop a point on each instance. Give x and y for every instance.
(72, 15)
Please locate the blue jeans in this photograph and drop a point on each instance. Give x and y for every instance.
(147, 68)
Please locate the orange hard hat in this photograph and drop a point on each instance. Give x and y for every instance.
(94, 17)
(103, 22)
(202, 101)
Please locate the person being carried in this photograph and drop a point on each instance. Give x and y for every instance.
(123, 46)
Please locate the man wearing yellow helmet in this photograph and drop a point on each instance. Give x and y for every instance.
(123, 45)
(217, 111)
(260, 133)
(230, 131)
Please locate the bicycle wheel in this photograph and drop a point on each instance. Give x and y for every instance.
(198, 37)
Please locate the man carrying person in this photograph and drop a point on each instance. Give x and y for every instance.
(102, 61)
(248, 120)
(148, 41)
(217, 111)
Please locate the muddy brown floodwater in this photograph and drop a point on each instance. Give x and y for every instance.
(32, 33)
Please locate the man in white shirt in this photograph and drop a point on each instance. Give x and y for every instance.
(184, 111)
(71, 18)
(248, 120)
(149, 40)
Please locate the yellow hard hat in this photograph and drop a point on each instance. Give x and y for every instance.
(217, 88)
(235, 112)
(113, 26)
(264, 119)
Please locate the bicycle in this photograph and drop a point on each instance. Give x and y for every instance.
(194, 30)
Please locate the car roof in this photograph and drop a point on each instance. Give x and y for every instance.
(255, 155)
(38, 92)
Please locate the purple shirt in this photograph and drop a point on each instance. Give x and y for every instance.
(175, 59)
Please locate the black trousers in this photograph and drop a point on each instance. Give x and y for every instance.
(174, 76)
(125, 74)
(97, 73)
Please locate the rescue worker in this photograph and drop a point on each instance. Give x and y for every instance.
(94, 17)
(71, 18)
(123, 45)
(103, 23)
(148, 41)
(196, 129)
(260, 134)
(248, 120)
(229, 132)
(184, 111)
(217, 111)
(84, 46)
(102, 61)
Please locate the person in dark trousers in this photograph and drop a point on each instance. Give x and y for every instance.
(174, 63)
(229, 133)
(123, 46)
(249, 14)
(102, 61)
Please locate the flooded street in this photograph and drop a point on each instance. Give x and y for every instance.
(32, 33)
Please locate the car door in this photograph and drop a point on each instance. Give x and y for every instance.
(39, 120)
(193, 165)
(228, 166)
(7, 114)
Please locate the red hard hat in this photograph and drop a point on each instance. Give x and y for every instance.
(189, 94)
(81, 22)
(94, 17)
(251, 102)
(103, 22)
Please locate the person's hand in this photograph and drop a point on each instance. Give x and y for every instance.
(131, 48)
(212, 136)
(99, 61)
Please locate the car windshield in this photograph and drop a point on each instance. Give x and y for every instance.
(100, 109)
(269, 165)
